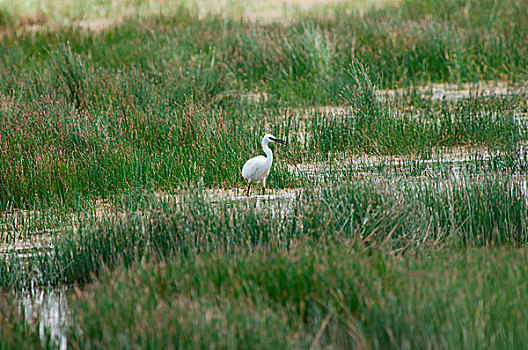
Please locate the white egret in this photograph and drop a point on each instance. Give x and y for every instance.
(257, 168)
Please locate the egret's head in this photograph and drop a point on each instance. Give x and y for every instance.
(268, 137)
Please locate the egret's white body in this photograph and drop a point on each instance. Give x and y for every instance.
(257, 168)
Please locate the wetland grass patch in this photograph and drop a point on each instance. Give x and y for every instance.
(409, 124)
(155, 101)
(400, 216)
(339, 296)
(94, 125)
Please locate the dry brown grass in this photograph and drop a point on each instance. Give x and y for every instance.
(96, 15)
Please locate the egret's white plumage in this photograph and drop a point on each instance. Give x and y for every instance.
(257, 168)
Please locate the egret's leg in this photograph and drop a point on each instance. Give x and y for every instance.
(249, 185)
(263, 186)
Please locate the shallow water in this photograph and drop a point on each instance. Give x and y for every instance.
(48, 309)
(455, 92)
(272, 202)
(452, 159)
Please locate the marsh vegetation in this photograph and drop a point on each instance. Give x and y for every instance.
(396, 217)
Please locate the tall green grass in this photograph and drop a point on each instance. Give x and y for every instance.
(400, 216)
(161, 102)
(415, 126)
(338, 297)
(76, 154)
(96, 126)
(100, 134)
(440, 41)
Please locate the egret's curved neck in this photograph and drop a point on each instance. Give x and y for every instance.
(268, 151)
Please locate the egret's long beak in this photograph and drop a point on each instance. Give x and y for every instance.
(278, 141)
